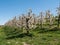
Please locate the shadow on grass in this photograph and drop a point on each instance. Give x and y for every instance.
(44, 30)
(20, 36)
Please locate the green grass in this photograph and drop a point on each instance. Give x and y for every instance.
(36, 37)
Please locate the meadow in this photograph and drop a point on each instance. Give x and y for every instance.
(45, 36)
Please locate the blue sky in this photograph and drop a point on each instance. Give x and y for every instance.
(11, 8)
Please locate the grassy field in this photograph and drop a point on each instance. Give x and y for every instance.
(36, 37)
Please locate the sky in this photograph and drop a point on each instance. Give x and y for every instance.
(11, 8)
